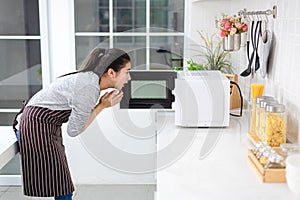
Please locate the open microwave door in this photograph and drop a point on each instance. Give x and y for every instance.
(149, 89)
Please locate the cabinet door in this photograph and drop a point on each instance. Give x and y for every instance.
(119, 147)
(172, 141)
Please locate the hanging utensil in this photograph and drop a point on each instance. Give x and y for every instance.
(264, 50)
(247, 71)
(257, 37)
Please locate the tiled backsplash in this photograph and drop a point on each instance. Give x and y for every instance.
(283, 79)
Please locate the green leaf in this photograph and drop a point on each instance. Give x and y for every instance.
(192, 66)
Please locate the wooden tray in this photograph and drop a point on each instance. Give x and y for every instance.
(266, 175)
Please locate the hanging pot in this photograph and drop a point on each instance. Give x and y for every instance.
(236, 41)
(228, 43)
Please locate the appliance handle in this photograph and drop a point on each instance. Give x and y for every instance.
(241, 97)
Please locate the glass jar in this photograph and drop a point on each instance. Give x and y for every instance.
(274, 161)
(256, 112)
(287, 149)
(252, 118)
(265, 155)
(275, 124)
(261, 117)
(259, 147)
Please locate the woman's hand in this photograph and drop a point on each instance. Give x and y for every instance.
(107, 100)
(110, 99)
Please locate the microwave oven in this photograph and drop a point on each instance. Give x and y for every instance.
(202, 99)
(149, 89)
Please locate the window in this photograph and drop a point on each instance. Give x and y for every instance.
(151, 31)
(20, 55)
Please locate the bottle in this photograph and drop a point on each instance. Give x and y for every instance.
(259, 147)
(265, 155)
(257, 108)
(287, 149)
(256, 91)
(261, 117)
(275, 124)
(274, 161)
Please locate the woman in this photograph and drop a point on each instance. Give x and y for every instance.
(74, 98)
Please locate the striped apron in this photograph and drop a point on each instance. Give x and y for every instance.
(45, 170)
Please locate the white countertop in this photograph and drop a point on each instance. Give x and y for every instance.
(8, 145)
(222, 174)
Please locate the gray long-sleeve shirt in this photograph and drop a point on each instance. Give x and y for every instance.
(79, 92)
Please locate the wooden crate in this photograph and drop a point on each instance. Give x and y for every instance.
(266, 175)
(235, 100)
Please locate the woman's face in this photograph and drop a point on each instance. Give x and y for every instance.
(122, 77)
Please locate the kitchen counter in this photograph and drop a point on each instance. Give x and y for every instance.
(8, 145)
(212, 164)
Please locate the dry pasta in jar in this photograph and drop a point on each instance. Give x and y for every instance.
(257, 112)
(261, 124)
(275, 124)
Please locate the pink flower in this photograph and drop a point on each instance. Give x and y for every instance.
(245, 28)
(230, 25)
(222, 34)
(227, 23)
(227, 27)
(238, 25)
(233, 31)
(224, 21)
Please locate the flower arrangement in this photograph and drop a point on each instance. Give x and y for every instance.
(230, 25)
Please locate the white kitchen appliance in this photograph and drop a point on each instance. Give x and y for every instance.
(202, 99)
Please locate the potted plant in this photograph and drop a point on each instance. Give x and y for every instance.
(230, 29)
(212, 55)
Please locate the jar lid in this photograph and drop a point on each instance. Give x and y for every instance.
(261, 144)
(275, 108)
(258, 99)
(264, 102)
(288, 147)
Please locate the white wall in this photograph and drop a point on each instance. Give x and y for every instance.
(61, 37)
(283, 81)
(200, 16)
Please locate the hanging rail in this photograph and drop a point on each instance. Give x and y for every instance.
(246, 13)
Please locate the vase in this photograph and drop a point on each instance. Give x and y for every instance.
(228, 43)
(236, 42)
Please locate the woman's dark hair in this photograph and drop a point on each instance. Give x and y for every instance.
(101, 60)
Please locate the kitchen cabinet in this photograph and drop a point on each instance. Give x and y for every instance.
(131, 131)
(213, 164)
(119, 147)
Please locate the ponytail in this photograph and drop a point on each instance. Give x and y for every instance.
(91, 62)
(100, 60)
